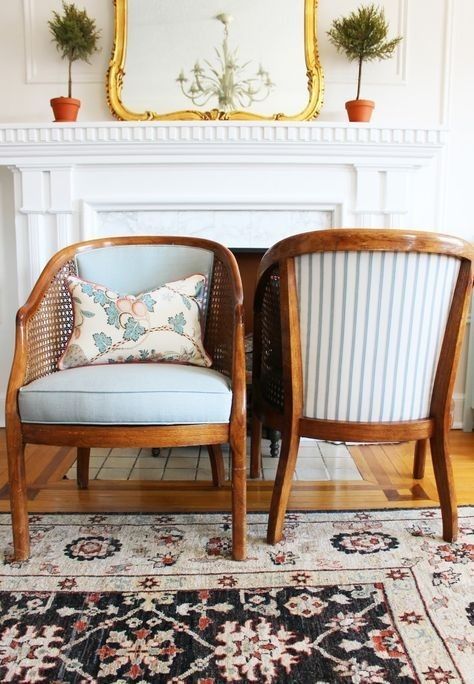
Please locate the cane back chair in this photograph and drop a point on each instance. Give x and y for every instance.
(357, 336)
(129, 404)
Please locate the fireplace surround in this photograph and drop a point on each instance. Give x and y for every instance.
(246, 184)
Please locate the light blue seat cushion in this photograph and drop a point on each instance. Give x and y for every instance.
(128, 394)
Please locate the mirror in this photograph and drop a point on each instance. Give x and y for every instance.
(215, 59)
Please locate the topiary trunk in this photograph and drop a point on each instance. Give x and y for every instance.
(69, 83)
(359, 78)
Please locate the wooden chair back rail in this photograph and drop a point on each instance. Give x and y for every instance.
(366, 432)
(44, 325)
(363, 240)
(286, 412)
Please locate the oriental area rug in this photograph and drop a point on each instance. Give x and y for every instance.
(357, 597)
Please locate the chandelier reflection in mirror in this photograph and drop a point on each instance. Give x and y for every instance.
(226, 81)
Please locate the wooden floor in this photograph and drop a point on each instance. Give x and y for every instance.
(386, 483)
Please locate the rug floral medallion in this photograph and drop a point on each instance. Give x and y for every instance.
(347, 597)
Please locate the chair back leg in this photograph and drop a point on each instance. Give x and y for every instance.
(83, 458)
(217, 464)
(256, 448)
(421, 447)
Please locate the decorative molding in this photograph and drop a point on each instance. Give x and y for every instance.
(402, 30)
(315, 141)
(399, 78)
(46, 136)
(447, 57)
(28, 30)
(468, 423)
(34, 74)
(458, 412)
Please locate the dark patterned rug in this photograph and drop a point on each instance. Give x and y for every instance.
(347, 597)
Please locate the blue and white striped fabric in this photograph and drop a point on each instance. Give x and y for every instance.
(372, 325)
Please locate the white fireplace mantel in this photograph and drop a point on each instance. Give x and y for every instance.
(246, 184)
(35, 142)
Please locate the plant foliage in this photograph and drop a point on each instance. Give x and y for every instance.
(362, 36)
(75, 35)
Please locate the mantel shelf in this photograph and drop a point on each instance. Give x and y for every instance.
(30, 140)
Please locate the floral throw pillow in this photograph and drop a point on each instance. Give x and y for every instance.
(160, 325)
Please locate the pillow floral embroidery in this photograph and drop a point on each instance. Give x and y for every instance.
(160, 325)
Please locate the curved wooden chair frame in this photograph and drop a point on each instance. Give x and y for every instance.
(43, 327)
(278, 392)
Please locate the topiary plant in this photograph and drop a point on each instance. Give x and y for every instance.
(75, 35)
(362, 36)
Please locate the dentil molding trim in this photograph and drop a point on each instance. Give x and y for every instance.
(23, 141)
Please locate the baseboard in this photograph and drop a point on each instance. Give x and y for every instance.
(458, 401)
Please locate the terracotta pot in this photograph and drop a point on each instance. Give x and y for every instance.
(360, 110)
(65, 108)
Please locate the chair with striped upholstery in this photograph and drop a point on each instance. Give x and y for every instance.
(357, 336)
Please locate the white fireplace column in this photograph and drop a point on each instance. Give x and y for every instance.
(43, 219)
(381, 196)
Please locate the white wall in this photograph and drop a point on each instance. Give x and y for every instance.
(429, 83)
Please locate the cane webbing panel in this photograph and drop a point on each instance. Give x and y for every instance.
(49, 329)
(219, 336)
(271, 379)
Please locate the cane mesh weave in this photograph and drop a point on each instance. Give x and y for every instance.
(271, 375)
(219, 340)
(49, 328)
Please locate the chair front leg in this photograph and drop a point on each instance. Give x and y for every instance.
(217, 464)
(282, 487)
(18, 494)
(239, 492)
(83, 458)
(445, 483)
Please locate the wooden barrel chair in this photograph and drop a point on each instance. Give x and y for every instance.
(128, 404)
(357, 337)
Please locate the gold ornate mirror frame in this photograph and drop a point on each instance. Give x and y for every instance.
(116, 73)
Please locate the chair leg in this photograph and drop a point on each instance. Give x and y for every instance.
(281, 490)
(217, 464)
(274, 437)
(18, 495)
(83, 457)
(256, 448)
(239, 493)
(421, 447)
(445, 484)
